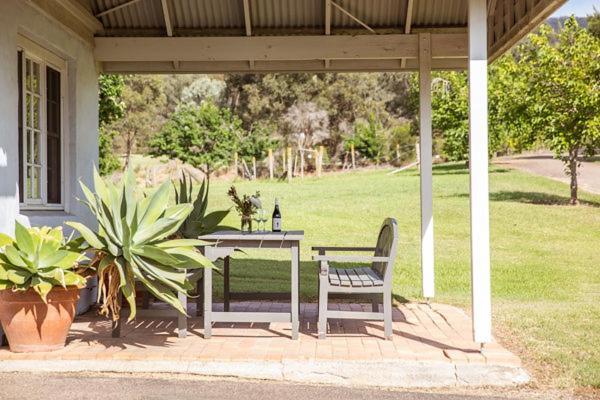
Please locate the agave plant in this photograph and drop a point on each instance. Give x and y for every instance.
(198, 222)
(39, 258)
(133, 243)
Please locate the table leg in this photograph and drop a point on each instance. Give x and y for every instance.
(182, 318)
(295, 289)
(200, 294)
(226, 291)
(207, 303)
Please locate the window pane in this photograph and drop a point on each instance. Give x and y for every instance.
(36, 112)
(29, 146)
(28, 74)
(53, 137)
(28, 110)
(37, 147)
(28, 182)
(36, 183)
(36, 78)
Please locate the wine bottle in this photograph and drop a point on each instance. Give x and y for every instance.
(276, 217)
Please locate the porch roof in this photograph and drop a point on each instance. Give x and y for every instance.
(292, 35)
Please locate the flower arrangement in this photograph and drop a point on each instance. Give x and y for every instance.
(245, 205)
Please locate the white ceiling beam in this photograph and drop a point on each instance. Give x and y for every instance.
(219, 67)
(274, 47)
(82, 14)
(115, 8)
(167, 16)
(247, 17)
(407, 24)
(349, 14)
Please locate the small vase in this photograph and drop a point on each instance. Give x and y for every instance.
(246, 224)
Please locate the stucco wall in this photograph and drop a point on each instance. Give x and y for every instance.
(18, 17)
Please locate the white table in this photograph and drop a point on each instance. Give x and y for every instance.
(223, 244)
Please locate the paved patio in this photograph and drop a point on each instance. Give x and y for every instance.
(432, 346)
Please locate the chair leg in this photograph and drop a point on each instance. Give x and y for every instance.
(323, 297)
(387, 314)
(200, 298)
(375, 303)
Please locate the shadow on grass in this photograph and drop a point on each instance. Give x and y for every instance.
(537, 198)
(461, 169)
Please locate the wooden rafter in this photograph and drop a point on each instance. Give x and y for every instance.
(247, 17)
(167, 16)
(328, 17)
(115, 8)
(407, 26)
(349, 14)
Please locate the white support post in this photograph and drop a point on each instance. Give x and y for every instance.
(478, 162)
(426, 147)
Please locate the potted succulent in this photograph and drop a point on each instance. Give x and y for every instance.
(40, 278)
(134, 242)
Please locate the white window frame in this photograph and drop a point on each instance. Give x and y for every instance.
(33, 51)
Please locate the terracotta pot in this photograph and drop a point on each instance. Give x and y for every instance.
(31, 325)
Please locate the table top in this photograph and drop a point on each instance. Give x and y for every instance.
(253, 236)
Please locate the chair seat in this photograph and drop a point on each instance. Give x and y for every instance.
(354, 277)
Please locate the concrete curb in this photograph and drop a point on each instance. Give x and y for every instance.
(399, 374)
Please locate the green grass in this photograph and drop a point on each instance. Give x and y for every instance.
(545, 254)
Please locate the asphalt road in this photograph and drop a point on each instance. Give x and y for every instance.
(53, 386)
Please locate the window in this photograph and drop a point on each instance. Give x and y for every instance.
(40, 80)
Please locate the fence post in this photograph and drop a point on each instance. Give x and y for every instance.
(235, 164)
(398, 153)
(289, 163)
(253, 167)
(352, 155)
(301, 163)
(271, 164)
(320, 161)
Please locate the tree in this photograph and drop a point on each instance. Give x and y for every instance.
(110, 109)
(594, 23)
(204, 137)
(563, 86)
(369, 138)
(144, 100)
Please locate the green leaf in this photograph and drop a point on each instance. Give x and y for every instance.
(42, 287)
(5, 240)
(87, 234)
(155, 253)
(23, 239)
(14, 257)
(18, 276)
(156, 206)
(180, 243)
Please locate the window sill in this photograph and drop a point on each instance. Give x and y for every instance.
(48, 217)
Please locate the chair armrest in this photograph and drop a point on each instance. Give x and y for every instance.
(353, 258)
(342, 248)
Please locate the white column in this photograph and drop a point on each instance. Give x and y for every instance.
(478, 161)
(426, 147)
(9, 155)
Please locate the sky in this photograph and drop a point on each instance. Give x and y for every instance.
(580, 8)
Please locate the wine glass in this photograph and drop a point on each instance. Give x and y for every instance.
(264, 218)
(257, 218)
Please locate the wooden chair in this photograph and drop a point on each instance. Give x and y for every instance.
(376, 279)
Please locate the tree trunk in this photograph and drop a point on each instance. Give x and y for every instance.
(128, 148)
(573, 173)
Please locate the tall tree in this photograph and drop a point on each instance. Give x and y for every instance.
(144, 100)
(204, 137)
(593, 21)
(110, 109)
(563, 71)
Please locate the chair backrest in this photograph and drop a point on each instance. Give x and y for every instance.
(387, 246)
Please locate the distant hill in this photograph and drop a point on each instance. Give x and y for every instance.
(557, 22)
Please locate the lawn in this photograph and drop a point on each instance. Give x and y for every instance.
(545, 254)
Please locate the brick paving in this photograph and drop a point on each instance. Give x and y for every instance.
(422, 332)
